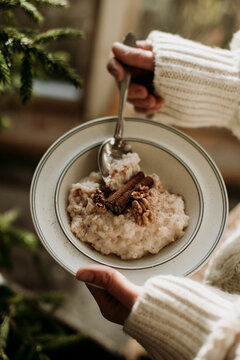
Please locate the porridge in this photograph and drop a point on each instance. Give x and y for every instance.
(140, 217)
(122, 170)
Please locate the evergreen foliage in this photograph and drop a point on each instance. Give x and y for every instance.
(23, 56)
(30, 47)
(10, 235)
(22, 338)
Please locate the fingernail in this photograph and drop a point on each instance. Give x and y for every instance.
(86, 276)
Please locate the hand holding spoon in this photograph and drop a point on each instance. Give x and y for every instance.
(114, 148)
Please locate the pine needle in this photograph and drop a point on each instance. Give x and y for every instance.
(5, 76)
(31, 11)
(57, 3)
(4, 331)
(57, 34)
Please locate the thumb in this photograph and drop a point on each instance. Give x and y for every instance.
(137, 57)
(112, 281)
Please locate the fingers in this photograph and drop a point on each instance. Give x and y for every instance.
(137, 57)
(144, 44)
(149, 105)
(149, 102)
(137, 91)
(141, 58)
(112, 281)
(142, 61)
(115, 68)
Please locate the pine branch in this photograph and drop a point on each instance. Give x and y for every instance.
(26, 87)
(5, 76)
(54, 65)
(10, 235)
(14, 40)
(8, 4)
(31, 11)
(57, 34)
(51, 63)
(57, 3)
(29, 8)
(24, 44)
(4, 331)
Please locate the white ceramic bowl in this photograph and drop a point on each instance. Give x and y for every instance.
(183, 167)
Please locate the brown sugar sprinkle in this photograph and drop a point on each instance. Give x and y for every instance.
(98, 198)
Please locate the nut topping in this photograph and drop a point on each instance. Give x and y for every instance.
(98, 198)
(142, 212)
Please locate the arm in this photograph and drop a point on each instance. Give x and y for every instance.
(171, 317)
(200, 85)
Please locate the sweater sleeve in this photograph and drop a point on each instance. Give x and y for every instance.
(178, 318)
(200, 84)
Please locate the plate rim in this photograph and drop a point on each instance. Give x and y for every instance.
(94, 122)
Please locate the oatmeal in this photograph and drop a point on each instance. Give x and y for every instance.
(122, 170)
(141, 217)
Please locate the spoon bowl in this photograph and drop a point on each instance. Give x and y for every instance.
(110, 151)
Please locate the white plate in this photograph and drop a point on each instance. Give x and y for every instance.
(183, 167)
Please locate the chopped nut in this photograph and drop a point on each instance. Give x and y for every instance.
(142, 212)
(140, 193)
(98, 198)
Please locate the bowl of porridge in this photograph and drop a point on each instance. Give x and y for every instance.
(130, 240)
(171, 225)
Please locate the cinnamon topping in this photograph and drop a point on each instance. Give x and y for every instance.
(134, 192)
(119, 203)
(129, 185)
(122, 202)
(112, 199)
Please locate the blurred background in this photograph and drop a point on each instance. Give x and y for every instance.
(57, 106)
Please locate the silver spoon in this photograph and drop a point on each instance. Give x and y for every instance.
(113, 148)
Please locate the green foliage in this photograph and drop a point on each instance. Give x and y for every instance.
(27, 330)
(33, 330)
(30, 46)
(10, 236)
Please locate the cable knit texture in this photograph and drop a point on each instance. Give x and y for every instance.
(174, 317)
(200, 84)
(224, 269)
(223, 338)
(178, 318)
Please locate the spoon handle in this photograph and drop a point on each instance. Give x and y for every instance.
(129, 40)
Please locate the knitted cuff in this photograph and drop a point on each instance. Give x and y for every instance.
(200, 84)
(173, 317)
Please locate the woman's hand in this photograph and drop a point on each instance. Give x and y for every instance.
(115, 295)
(141, 59)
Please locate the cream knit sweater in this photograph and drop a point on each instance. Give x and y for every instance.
(200, 84)
(178, 318)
